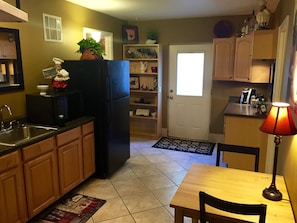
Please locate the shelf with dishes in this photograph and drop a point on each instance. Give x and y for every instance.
(143, 104)
(141, 51)
(144, 67)
(144, 91)
(143, 107)
(141, 59)
(147, 73)
(143, 117)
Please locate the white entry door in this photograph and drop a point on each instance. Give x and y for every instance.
(189, 96)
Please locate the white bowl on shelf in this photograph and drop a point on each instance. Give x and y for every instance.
(42, 88)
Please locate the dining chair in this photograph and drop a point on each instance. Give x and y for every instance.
(237, 208)
(238, 149)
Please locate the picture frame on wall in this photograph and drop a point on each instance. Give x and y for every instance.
(134, 83)
(130, 34)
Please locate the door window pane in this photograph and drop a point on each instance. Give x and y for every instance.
(190, 69)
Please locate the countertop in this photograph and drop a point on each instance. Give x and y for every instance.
(245, 110)
(68, 125)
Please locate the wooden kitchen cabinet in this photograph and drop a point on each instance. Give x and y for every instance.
(223, 62)
(244, 131)
(265, 43)
(41, 175)
(13, 208)
(69, 147)
(88, 149)
(245, 59)
(34, 177)
(145, 89)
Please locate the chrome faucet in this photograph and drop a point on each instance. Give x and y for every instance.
(2, 127)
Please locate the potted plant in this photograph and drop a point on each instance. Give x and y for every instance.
(90, 49)
(151, 37)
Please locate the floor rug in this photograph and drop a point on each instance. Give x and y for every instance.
(184, 145)
(75, 208)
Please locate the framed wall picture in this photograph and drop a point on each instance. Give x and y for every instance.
(130, 34)
(134, 83)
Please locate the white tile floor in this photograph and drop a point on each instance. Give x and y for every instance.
(140, 192)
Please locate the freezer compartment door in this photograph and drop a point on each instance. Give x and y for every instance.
(119, 80)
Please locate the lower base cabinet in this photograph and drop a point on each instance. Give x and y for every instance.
(34, 177)
(244, 131)
(13, 207)
(41, 175)
(88, 152)
(70, 159)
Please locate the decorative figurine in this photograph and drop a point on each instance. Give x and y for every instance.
(60, 80)
(263, 15)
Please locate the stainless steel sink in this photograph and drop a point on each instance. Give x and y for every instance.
(22, 134)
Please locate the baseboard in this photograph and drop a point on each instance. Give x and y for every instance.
(164, 132)
(213, 137)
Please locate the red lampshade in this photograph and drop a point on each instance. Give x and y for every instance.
(279, 120)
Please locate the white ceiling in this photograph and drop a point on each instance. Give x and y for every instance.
(141, 10)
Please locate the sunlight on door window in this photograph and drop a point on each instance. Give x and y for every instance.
(190, 69)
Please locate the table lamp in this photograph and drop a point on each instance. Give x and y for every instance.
(278, 122)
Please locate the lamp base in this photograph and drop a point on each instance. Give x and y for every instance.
(272, 193)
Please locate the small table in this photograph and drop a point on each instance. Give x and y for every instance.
(233, 185)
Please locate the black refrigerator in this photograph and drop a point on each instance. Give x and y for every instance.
(106, 92)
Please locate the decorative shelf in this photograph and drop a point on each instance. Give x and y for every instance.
(142, 91)
(146, 73)
(144, 117)
(150, 55)
(9, 13)
(144, 105)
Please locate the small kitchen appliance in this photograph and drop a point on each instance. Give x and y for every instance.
(246, 95)
(54, 108)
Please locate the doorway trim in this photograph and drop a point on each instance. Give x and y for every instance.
(278, 81)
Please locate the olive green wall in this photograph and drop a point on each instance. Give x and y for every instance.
(188, 31)
(37, 54)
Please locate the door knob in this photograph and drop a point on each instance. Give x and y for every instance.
(170, 97)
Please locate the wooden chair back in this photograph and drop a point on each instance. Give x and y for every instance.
(238, 149)
(237, 208)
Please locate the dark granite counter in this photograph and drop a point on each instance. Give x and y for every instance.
(68, 125)
(245, 110)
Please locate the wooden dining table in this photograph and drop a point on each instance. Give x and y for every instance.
(234, 185)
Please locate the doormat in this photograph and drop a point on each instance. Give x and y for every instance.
(184, 145)
(75, 208)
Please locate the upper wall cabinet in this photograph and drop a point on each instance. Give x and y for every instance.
(264, 45)
(9, 13)
(245, 59)
(223, 60)
(11, 70)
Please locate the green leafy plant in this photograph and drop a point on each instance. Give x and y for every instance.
(153, 35)
(90, 43)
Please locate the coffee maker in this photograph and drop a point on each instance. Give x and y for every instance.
(246, 95)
